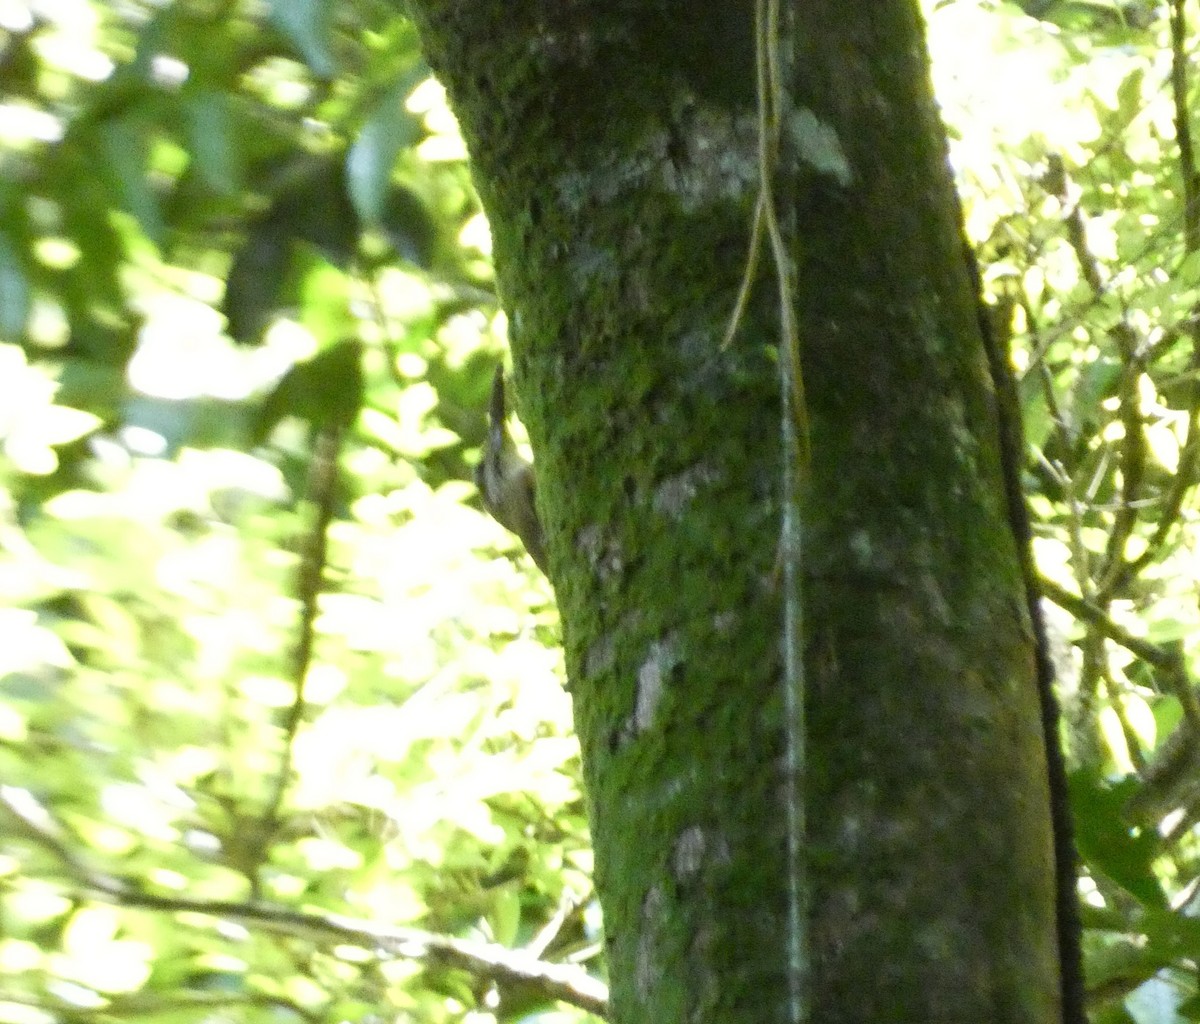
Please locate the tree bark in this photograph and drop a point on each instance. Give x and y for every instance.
(615, 149)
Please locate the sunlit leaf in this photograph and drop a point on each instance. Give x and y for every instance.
(324, 296)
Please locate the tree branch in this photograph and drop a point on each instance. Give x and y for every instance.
(1096, 616)
(198, 1003)
(1168, 660)
(485, 960)
(322, 488)
(1189, 460)
(1180, 66)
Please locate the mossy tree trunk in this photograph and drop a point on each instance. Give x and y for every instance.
(615, 149)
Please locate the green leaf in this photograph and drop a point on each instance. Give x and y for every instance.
(213, 141)
(151, 42)
(1107, 843)
(98, 387)
(324, 296)
(1172, 932)
(1123, 962)
(254, 281)
(409, 227)
(1097, 381)
(14, 291)
(388, 130)
(1188, 272)
(1113, 1013)
(327, 390)
(312, 207)
(124, 144)
(307, 24)
(315, 207)
(1129, 95)
(190, 422)
(505, 915)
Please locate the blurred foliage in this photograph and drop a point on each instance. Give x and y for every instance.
(232, 234)
(1083, 197)
(247, 326)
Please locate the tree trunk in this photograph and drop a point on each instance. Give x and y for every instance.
(615, 146)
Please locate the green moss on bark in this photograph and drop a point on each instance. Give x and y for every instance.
(614, 150)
